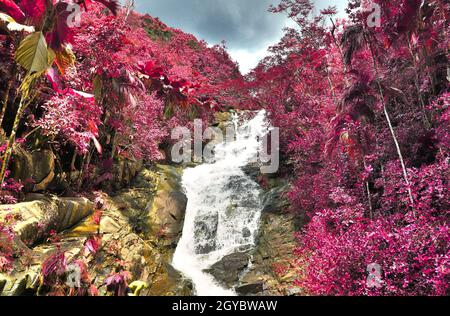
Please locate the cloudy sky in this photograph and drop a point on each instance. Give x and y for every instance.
(245, 25)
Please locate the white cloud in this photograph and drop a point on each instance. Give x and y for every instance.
(247, 59)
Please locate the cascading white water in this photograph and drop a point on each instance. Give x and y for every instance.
(223, 209)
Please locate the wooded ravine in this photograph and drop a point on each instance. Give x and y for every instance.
(92, 202)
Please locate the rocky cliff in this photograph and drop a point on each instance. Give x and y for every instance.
(139, 228)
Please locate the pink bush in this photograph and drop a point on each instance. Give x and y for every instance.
(334, 91)
(340, 244)
(73, 118)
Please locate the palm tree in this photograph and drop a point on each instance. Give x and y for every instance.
(34, 54)
(354, 39)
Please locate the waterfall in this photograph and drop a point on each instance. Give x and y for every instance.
(223, 209)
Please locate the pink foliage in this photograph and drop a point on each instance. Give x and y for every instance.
(6, 248)
(54, 268)
(75, 118)
(11, 8)
(146, 130)
(323, 90)
(118, 283)
(340, 244)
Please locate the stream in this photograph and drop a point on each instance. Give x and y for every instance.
(223, 209)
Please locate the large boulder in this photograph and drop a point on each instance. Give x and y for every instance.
(250, 288)
(43, 214)
(205, 233)
(166, 212)
(273, 269)
(155, 204)
(275, 199)
(229, 268)
(35, 220)
(36, 169)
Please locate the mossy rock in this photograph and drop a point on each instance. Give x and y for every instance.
(35, 169)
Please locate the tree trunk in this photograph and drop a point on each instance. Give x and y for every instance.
(400, 155)
(12, 139)
(426, 121)
(5, 102)
(391, 128)
(369, 197)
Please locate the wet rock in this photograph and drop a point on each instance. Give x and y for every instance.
(222, 120)
(228, 270)
(274, 200)
(206, 231)
(167, 210)
(246, 197)
(273, 260)
(253, 170)
(155, 204)
(250, 289)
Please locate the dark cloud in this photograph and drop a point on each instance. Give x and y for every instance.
(244, 24)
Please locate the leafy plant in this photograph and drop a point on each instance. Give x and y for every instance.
(363, 117)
